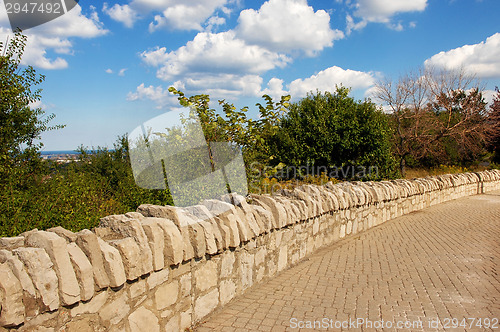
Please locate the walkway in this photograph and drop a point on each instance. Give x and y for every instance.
(418, 271)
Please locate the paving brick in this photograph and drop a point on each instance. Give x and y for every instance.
(440, 262)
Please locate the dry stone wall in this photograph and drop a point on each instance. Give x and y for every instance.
(165, 268)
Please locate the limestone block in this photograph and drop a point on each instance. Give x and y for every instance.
(68, 235)
(210, 241)
(92, 306)
(197, 239)
(225, 232)
(156, 240)
(174, 247)
(187, 249)
(39, 268)
(11, 297)
(265, 217)
(11, 242)
(205, 276)
(143, 320)
(227, 291)
(132, 228)
(157, 278)
(227, 264)
(246, 214)
(246, 263)
(204, 305)
(228, 212)
(176, 214)
(115, 309)
(113, 264)
(268, 203)
(19, 271)
(166, 295)
(131, 256)
(83, 271)
(56, 248)
(185, 285)
(201, 212)
(234, 199)
(87, 241)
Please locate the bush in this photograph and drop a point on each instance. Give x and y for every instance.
(336, 133)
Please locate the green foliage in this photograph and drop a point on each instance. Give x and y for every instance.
(76, 195)
(20, 123)
(333, 130)
(253, 135)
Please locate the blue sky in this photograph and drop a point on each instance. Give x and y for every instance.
(108, 65)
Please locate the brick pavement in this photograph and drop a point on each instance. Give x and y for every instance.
(439, 263)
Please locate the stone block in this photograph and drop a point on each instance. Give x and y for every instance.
(205, 304)
(206, 276)
(132, 228)
(131, 256)
(11, 242)
(39, 268)
(55, 246)
(166, 295)
(143, 319)
(227, 291)
(174, 247)
(83, 271)
(115, 309)
(68, 235)
(246, 263)
(113, 264)
(87, 241)
(11, 298)
(156, 240)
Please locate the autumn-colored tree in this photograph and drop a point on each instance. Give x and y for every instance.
(437, 115)
(494, 119)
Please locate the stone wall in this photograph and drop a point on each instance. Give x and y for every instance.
(164, 268)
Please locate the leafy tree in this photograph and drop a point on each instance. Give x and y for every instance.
(21, 124)
(333, 130)
(233, 125)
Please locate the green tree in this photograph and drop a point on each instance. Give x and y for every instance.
(332, 130)
(20, 123)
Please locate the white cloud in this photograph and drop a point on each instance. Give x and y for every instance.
(275, 88)
(121, 13)
(382, 11)
(122, 72)
(186, 15)
(328, 79)
(219, 53)
(161, 97)
(481, 59)
(109, 71)
(287, 25)
(54, 37)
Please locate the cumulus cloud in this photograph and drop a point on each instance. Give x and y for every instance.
(214, 53)
(161, 97)
(54, 37)
(382, 11)
(287, 25)
(187, 15)
(328, 79)
(481, 59)
(121, 13)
